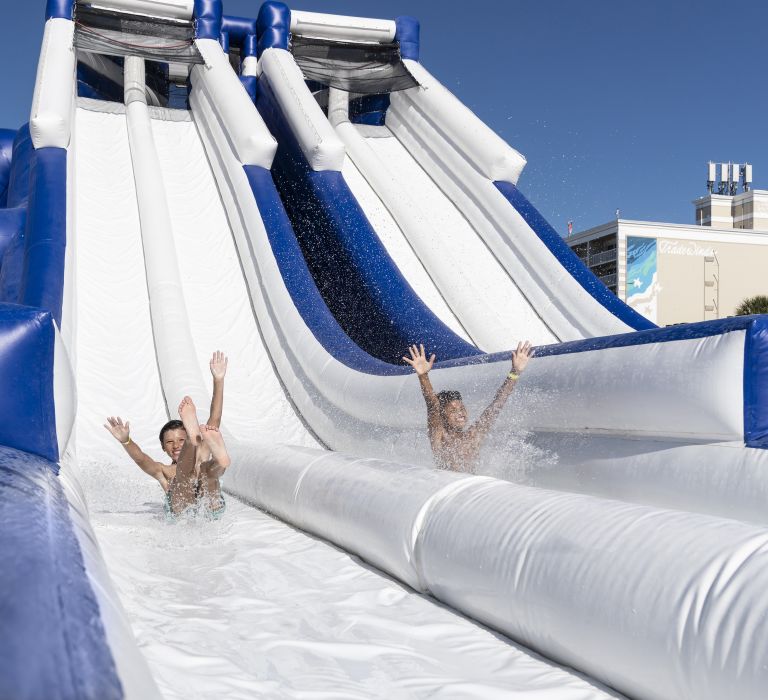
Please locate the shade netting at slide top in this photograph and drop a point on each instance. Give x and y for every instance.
(365, 69)
(119, 34)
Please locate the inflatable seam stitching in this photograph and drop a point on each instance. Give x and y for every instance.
(297, 102)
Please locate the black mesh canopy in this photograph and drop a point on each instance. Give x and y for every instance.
(365, 69)
(119, 34)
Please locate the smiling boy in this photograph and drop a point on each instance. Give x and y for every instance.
(197, 452)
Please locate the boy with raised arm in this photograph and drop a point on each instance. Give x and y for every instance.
(454, 446)
(198, 454)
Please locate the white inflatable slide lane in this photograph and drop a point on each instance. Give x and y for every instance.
(110, 302)
(245, 606)
(214, 291)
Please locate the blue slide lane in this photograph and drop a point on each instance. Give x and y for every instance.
(52, 641)
(357, 279)
(300, 284)
(569, 260)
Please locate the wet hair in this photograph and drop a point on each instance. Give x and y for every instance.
(445, 397)
(170, 425)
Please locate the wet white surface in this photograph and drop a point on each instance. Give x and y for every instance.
(249, 607)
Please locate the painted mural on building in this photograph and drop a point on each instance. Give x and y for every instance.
(642, 277)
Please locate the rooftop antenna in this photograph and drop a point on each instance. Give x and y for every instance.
(746, 176)
(711, 177)
(723, 184)
(734, 180)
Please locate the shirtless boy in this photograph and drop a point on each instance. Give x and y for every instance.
(198, 454)
(454, 446)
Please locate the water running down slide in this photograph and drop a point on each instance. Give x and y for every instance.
(559, 572)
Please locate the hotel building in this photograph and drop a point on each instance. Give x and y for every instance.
(676, 273)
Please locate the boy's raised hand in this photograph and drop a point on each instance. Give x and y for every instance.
(120, 431)
(418, 359)
(218, 364)
(521, 356)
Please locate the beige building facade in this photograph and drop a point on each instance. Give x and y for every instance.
(674, 273)
(747, 210)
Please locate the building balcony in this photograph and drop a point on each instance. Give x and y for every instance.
(608, 280)
(601, 258)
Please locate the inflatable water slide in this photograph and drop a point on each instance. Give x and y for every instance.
(299, 191)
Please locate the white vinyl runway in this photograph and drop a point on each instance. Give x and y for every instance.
(249, 607)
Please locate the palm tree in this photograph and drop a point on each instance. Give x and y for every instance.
(753, 305)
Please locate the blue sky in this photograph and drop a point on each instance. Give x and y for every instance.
(615, 103)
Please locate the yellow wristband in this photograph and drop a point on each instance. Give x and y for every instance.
(127, 442)
(512, 375)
